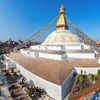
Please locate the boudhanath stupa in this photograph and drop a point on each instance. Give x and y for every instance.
(52, 64)
(60, 44)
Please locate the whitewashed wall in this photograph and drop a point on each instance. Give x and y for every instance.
(58, 56)
(41, 55)
(50, 56)
(92, 70)
(73, 48)
(59, 47)
(53, 47)
(68, 46)
(81, 55)
(45, 47)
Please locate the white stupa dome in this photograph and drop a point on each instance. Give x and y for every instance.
(61, 37)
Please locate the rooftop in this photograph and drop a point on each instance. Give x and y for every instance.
(61, 69)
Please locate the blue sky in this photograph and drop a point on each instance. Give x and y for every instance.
(19, 19)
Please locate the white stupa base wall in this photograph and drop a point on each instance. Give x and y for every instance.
(64, 56)
(40, 47)
(81, 55)
(42, 55)
(35, 51)
(64, 47)
(72, 48)
(50, 56)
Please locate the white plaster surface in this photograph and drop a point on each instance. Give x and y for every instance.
(58, 56)
(50, 56)
(42, 55)
(81, 55)
(69, 46)
(45, 47)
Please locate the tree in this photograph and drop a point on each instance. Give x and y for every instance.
(98, 75)
(81, 72)
(80, 78)
(90, 77)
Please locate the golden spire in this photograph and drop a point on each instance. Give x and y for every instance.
(61, 23)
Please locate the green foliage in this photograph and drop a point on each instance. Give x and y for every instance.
(81, 72)
(98, 75)
(80, 78)
(90, 77)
